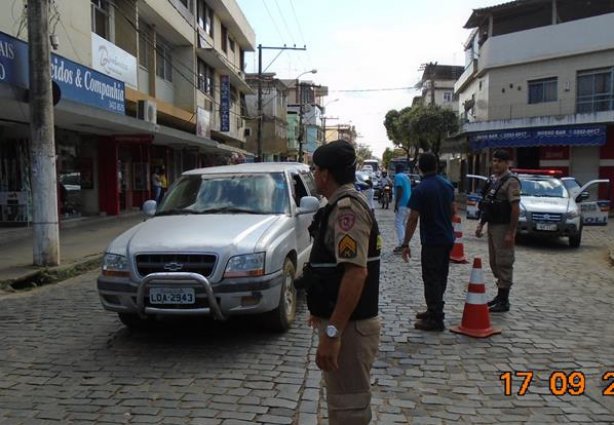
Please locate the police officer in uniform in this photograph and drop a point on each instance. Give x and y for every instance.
(500, 209)
(342, 284)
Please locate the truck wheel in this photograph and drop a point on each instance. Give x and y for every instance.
(574, 240)
(281, 319)
(134, 321)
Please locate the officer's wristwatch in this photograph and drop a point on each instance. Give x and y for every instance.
(332, 331)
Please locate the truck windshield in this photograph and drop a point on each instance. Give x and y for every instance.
(262, 193)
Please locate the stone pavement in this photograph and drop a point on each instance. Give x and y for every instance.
(63, 360)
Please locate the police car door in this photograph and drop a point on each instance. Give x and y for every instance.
(594, 210)
(474, 186)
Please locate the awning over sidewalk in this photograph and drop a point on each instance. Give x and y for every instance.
(561, 136)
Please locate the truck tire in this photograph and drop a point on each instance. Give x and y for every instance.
(574, 240)
(281, 319)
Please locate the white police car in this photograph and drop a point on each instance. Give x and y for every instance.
(549, 206)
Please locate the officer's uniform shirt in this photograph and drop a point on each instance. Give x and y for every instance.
(349, 228)
(510, 190)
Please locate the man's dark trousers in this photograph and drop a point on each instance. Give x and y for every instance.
(435, 266)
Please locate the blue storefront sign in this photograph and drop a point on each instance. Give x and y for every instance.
(559, 136)
(77, 83)
(224, 103)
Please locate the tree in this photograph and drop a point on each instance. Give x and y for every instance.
(386, 157)
(421, 128)
(363, 152)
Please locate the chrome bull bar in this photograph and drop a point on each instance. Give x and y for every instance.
(174, 277)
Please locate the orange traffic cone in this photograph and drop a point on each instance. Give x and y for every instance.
(476, 319)
(457, 255)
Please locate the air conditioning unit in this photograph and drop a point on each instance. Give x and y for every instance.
(146, 110)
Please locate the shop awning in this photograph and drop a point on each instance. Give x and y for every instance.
(561, 136)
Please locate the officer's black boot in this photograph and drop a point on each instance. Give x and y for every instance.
(503, 304)
(496, 299)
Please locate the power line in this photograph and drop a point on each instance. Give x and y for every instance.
(283, 19)
(272, 20)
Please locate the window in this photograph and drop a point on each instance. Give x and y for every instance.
(447, 96)
(205, 17)
(205, 78)
(595, 91)
(224, 39)
(186, 4)
(541, 91)
(100, 18)
(231, 44)
(163, 59)
(144, 46)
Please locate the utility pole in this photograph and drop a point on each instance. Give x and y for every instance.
(42, 143)
(260, 113)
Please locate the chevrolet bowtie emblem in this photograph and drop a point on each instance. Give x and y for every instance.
(173, 267)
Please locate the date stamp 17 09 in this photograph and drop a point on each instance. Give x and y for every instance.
(560, 383)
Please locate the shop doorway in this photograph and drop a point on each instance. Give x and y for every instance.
(527, 158)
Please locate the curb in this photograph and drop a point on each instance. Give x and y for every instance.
(49, 275)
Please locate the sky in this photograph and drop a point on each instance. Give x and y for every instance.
(361, 49)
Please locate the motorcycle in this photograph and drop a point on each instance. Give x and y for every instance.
(385, 196)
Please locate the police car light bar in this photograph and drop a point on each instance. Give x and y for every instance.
(544, 172)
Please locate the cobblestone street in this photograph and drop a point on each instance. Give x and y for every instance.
(63, 360)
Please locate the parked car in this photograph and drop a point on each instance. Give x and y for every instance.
(224, 241)
(547, 207)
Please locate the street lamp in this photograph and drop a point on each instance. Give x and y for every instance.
(324, 118)
(300, 113)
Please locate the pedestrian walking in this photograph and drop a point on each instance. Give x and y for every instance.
(156, 185)
(433, 203)
(402, 194)
(342, 283)
(500, 209)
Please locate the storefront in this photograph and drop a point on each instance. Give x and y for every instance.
(584, 152)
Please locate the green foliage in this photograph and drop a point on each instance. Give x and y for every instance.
(363, 152)
(421, 127)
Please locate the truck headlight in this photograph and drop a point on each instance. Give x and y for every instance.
(523, 213)
(115, 265)
(245, 265)
(571, 214)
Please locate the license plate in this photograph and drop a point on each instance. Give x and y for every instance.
(171, 296)
(546, 226)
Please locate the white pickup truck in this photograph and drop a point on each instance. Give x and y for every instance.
(224, 241)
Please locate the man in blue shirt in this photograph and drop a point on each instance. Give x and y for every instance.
(433, 203)
(402, 194)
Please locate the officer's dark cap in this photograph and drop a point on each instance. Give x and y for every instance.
(501, 155)
(338, 154)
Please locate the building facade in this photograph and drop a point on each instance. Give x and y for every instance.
(539, 82)
(141, 85)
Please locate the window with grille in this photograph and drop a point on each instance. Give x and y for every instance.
(163, 59)
(100, 18)
(544, 90)
(595, 91)
(205, 78)
(205, 17)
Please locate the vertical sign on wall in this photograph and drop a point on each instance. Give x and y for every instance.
(224, 103)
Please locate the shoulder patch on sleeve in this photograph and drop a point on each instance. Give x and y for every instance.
(345, 203)
(347, 247)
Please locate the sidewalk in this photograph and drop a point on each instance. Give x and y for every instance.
(81, 240)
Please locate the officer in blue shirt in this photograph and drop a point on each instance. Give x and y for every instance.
(433, 203)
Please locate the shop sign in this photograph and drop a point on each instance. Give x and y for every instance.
(563, 136)
(113, 61)
(77, 83)
(224, 103)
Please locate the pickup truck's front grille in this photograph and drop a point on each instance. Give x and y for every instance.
(550, 217)
(164, 263)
